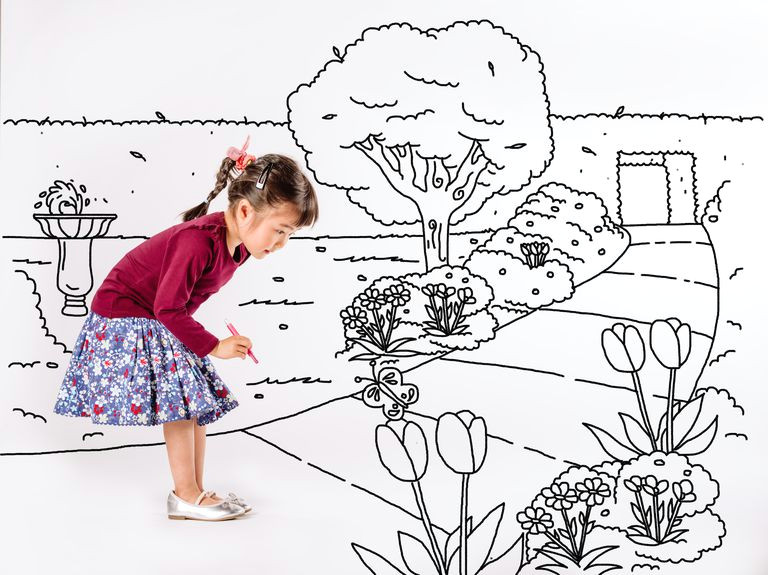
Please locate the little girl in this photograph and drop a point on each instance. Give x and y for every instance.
(141, 359)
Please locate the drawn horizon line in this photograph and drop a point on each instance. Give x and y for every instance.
(161, 119)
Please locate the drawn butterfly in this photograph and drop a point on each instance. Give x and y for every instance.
(389, 392)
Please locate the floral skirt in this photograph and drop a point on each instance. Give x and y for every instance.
(134, 371)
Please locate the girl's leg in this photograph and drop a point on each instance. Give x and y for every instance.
(180, 443)
(200, 457)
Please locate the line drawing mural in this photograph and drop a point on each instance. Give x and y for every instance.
(536, 352)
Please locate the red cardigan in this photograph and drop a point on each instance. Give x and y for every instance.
(169, 275)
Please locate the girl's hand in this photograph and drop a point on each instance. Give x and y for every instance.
(233, 346)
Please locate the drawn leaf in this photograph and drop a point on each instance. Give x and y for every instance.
(686, 419)
(480, 541)
(675, 535)
(587, 150)
(611, 445)
(619, 111)
(699, 443)
(573, 525)
(453, 541)
(635, 433)
(516, 146)
(636, 512)
(160, 116)
(366, 344)
(661, 512)
(642, 539)
(415, 555)
(508, 562)
(364, 357)
(403, 353)
(376, 563)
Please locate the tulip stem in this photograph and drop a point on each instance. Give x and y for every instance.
(670, 403)
(437, 557)
(643, 409)
(463, 526)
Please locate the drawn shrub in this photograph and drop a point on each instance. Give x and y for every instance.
(516, 285)
(663, 505)
(420, 313)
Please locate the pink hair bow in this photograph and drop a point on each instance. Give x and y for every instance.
(239, 156)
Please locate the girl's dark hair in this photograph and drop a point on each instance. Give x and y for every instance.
(285, 182)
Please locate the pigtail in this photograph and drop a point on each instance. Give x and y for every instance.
(223, 178)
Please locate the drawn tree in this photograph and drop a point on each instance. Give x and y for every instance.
(426, 126)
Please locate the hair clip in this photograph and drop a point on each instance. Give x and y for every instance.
(239, 156)
(263, 177)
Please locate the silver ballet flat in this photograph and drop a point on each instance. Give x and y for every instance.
(232, 498)
(180, 509)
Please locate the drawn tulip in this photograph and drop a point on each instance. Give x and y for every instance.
(402, 449)
(462, 441)
(671, 344)
(624, 349)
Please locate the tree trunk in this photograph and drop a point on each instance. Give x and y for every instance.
(435, 228)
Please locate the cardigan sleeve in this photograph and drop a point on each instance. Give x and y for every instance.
(187, 254)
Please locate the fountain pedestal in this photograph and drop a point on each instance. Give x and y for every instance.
(74, 273)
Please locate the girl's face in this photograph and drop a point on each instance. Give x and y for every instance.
(265, 233)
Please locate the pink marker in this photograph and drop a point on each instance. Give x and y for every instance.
(232, 329)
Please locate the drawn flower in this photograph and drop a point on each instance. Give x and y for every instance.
(372, 299)
(671, 342)
(634, 484)
(624, 348)
(559, 496)
(683, 490)
(462, 441)
(465, 295)
(402, 449)
(593, 491)
(354, 316)
(652, 486)
(397, 294)
(535, 520)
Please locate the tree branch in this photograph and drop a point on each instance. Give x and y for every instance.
(400, 175)
(469, 171)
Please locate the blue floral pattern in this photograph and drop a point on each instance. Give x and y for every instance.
(134, 371)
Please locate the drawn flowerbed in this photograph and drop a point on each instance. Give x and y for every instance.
(648, 504)
(517, 269)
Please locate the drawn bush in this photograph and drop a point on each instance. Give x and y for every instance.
(420, 313)
(663, 503)
(558, 238)
(516, 285)
(576, 225)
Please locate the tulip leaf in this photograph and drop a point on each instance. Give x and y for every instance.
(508, 562)
(699, 443)
(415, 555)
(686, 419)
(480, 541)
(452, 543)
(636, 434)
(612, 446)
(375, 562)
